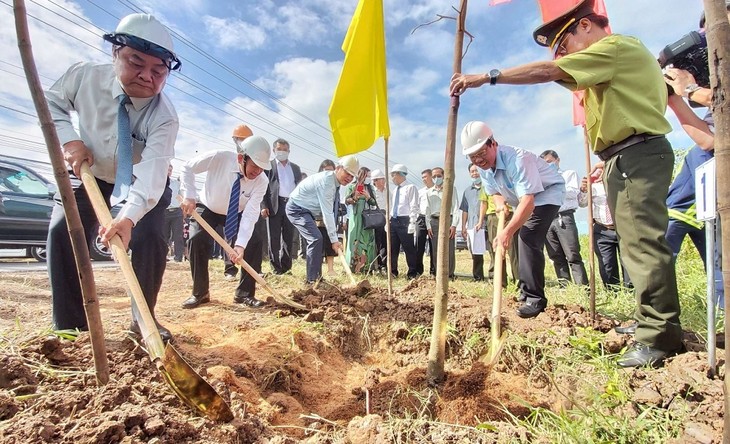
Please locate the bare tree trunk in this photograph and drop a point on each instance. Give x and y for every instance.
(437, 352)
(718, 45)
(73, 220)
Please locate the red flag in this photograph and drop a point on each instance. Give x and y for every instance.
(550, 9)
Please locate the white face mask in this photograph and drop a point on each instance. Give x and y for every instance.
(282, 155)
(438, 181)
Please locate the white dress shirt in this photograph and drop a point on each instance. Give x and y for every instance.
(92, 90)
(380, 198)
(222, 169)
(422, 202)
(572, 188)
(175, 187)
(601, 213)
(407, 204)
(286, 178)
(433, 206)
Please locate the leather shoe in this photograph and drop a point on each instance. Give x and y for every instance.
(248, 300)
(229, 277)
(627, 329)
(165, 334)
(640, 355)
(193, 301)
(530, 309)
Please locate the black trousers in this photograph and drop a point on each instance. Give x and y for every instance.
(605, 244)
(563, 249)
(149, 256)
(281, 239)
(229, 268)
(253, 254)
(381, 240)
(399, 237)
(423, 242)
(200, 245)
(530, 252)
(174, 231)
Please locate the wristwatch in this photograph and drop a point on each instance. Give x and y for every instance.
(493, 76)
(692, 87)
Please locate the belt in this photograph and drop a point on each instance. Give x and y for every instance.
(566, 212)
(399, 217)
(610, 227)
(285, 199)
(614, 149)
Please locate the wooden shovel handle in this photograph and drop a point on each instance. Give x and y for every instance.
(152, 338)
(497, 281)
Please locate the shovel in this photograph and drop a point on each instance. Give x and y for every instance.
(184, 381)
(364, 284)
(228, 249)
(497, 339)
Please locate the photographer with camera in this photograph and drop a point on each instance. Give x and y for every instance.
(683, 70)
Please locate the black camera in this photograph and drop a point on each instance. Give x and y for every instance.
(690, 54)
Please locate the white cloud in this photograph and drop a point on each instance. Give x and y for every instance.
(412, 87)
(231, 33)
(300, 24)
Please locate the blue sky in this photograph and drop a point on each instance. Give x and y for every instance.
(274, 66)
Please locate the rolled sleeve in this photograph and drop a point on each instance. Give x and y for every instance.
(250, 214)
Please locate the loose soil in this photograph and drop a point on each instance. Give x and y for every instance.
(334, 373)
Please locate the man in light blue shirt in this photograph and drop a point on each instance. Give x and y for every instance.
(318, 196)
(534, 188)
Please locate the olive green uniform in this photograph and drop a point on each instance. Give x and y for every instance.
(625, 95)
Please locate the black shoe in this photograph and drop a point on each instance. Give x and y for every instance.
(531, 309)
(193, 301)
(640, 355)
(627, 330)
(164, 333)
(519, 298)
(229, 277)
(249, 301)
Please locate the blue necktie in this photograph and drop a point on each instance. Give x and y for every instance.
(123, 177)
(231, 227)
(397, 200)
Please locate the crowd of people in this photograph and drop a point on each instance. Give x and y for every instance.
(266, 206)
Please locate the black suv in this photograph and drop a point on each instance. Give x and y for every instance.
(26, 201)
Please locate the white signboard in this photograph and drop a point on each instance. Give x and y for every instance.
(705, 191)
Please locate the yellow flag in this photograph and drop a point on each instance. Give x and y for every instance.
(359, 109)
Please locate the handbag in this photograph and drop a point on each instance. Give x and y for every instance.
(373, 218)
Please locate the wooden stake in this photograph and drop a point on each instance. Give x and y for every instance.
(591, 261)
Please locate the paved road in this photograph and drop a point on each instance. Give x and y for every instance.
(13, 261)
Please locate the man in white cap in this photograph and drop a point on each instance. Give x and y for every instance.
(403, 218)
(534, 189)
(127, 131)
(378, 178)
(231, 197)
(318, 196)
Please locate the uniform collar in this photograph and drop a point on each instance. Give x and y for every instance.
(137, 103)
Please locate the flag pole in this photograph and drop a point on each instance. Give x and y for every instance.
(387, 220)
(591, 255)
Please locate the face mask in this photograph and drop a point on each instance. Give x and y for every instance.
(282, 155)
(438, 181)
(476, 180)
(367, 181)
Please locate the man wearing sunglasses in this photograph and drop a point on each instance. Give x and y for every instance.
(625, 101)
(127, 132)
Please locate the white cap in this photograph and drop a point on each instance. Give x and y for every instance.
(350, 164)
(377, 174)
(149, 29)
(399, 168)
(257, 148)
(474, 135)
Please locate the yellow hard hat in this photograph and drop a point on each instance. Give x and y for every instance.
(242, 131)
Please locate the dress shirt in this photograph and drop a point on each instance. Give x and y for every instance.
(520, 172)
(222, 168)
(380, 198)
(470, 204)
(286, 178)
(316, 193)
(92, 90)
(601, 213)
(175, 187)
(572, 188)
(422, 201)
(434, 195)
(407, 202)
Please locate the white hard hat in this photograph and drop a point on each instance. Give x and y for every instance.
(474, 135)
(146, 34)
(257, 148)
(399, 168)
(377, 174)
(350, 164)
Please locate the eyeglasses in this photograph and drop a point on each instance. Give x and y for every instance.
(147, 47)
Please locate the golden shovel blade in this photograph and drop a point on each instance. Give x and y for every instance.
(192, 388)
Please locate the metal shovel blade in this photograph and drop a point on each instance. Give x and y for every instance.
(191, 388)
